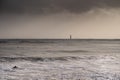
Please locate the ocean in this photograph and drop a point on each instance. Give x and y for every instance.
(59, 59)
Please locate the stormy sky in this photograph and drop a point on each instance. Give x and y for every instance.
(59, 18)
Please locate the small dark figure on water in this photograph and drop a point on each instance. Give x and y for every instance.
(15, 67)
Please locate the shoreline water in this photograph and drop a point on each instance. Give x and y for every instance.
(94, 67)
(60, 60)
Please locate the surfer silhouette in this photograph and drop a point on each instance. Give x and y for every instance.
(15, 67)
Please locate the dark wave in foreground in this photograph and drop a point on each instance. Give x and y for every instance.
(46, 59)
(10, 59)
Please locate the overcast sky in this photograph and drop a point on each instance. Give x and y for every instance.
(59, 18)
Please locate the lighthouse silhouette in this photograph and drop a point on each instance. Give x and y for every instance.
(70, 36)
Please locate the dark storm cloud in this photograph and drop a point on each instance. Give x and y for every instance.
(45, 6)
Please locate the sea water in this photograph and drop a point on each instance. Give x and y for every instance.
(59, 59)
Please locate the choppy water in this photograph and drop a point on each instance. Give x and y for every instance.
(60, 59)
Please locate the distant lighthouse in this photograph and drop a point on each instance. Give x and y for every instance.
(70, 36)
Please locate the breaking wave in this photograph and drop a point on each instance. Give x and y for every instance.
(45, 59)
(70, 51)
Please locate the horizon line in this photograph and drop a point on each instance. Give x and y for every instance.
(60, 38)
